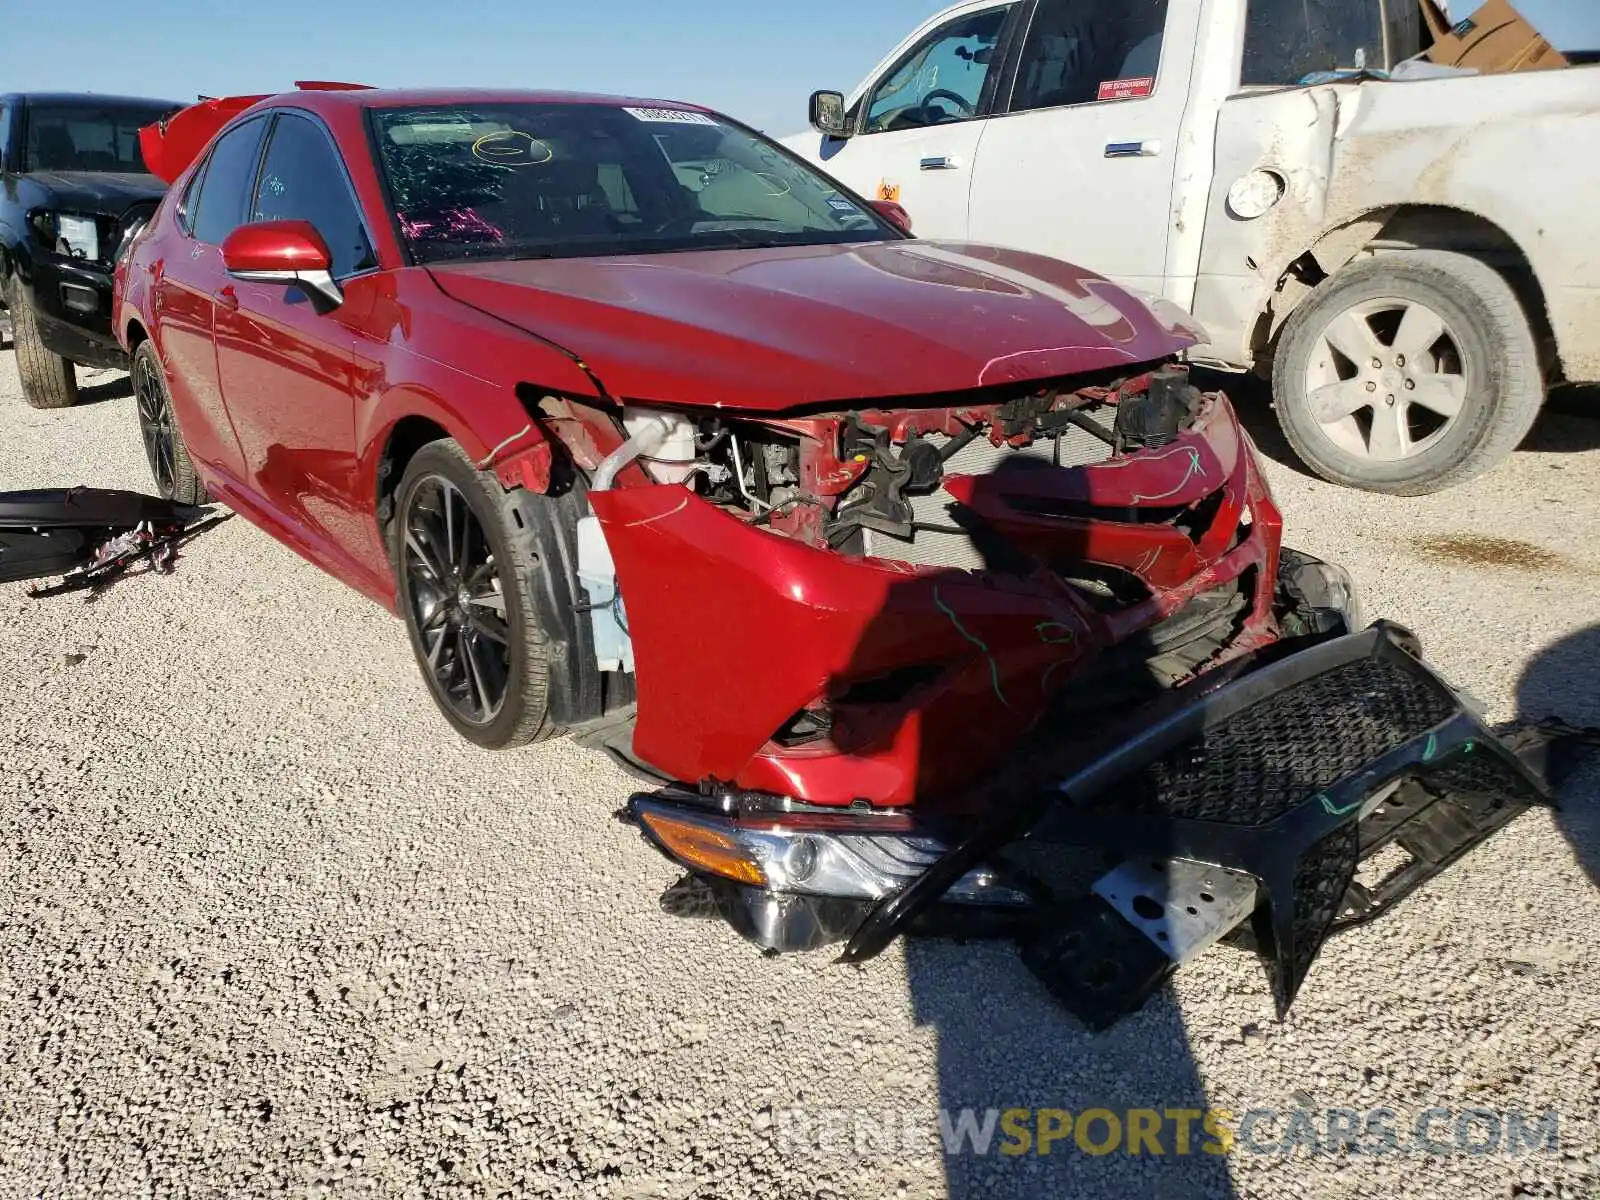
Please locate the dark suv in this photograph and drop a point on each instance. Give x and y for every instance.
(73, 190)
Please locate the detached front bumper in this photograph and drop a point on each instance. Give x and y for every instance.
(1243, 808)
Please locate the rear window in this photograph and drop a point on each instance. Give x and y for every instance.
(1287, 42)
(87, 137)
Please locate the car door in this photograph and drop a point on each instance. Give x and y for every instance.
(1078, 163)
(286, 356)
(918, 123)
(182, 289)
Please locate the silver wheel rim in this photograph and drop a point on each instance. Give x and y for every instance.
(1386, 381)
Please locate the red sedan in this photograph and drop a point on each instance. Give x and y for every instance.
(651, 433)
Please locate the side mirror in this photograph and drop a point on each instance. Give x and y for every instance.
(827, 114)
(893, 213)
(282, 252)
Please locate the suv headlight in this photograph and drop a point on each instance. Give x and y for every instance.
(69, 234)
(1325, 585)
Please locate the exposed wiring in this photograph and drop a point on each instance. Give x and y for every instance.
(488, 460)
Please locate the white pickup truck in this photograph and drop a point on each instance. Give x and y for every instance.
(1410, 255)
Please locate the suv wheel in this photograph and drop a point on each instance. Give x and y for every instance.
(1408, 373)
(48, 380)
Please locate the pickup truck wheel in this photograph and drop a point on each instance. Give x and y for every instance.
(164, 448)
(48, 380)
(465, 568)
(1408, 373)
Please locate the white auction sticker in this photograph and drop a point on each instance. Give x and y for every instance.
(676, 116)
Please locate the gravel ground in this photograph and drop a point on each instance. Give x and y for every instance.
(269, 928)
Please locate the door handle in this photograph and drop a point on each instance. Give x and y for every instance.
(942, 162)
(226, 298)
(1133, 149)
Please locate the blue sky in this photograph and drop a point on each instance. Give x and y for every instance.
(754, 59)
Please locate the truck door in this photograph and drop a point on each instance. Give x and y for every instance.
(919, 120)
(1078, 160)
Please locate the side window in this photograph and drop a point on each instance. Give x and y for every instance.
(219, 208)
(941, 78)
(1083, 51)
(5, 136)
(1287, 40)
(303, 179)
(190, 201)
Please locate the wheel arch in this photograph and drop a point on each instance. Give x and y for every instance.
(406, 437)
(134, 334)
(580, 693)
(1396, 229)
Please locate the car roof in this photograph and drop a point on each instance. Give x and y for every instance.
(424, 97)
(87, 99)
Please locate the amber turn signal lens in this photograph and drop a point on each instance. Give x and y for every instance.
(705, 848)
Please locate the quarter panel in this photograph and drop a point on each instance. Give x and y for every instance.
(1498, 147)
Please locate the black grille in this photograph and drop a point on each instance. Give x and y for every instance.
(1267, 760)
(1480, 774)
(1320, 881)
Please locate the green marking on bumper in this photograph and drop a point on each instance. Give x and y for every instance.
(1334, 810)
(994, 668)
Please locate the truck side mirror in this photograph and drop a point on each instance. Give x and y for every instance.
(827, 114)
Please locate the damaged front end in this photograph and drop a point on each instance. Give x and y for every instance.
(1037, 669)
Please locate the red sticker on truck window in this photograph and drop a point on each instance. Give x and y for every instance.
(1127, 89)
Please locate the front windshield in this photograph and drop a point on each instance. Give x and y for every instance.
(81, 137)
(570, 180)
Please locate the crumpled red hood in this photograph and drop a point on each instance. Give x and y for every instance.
(769, 330)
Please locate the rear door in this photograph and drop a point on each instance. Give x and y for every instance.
(919, 121)
(1078, 162)
(187, 279)
(286, 357)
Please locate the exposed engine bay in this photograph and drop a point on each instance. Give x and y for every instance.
(871, 481)
(899, 485)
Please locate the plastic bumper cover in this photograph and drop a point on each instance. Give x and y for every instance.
(1256, 797)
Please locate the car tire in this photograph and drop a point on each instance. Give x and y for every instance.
(495, 693)
(164, 447)
(48, 380)
(1362, 413)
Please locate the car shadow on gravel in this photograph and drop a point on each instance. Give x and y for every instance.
(99, 387)
(1005, 1045)
(1562, 683)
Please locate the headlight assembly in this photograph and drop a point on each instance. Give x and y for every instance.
(71, 235)
(809, 861)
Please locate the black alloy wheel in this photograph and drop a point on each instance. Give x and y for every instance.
(155, 425)
(164, 447)
(457, 602)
